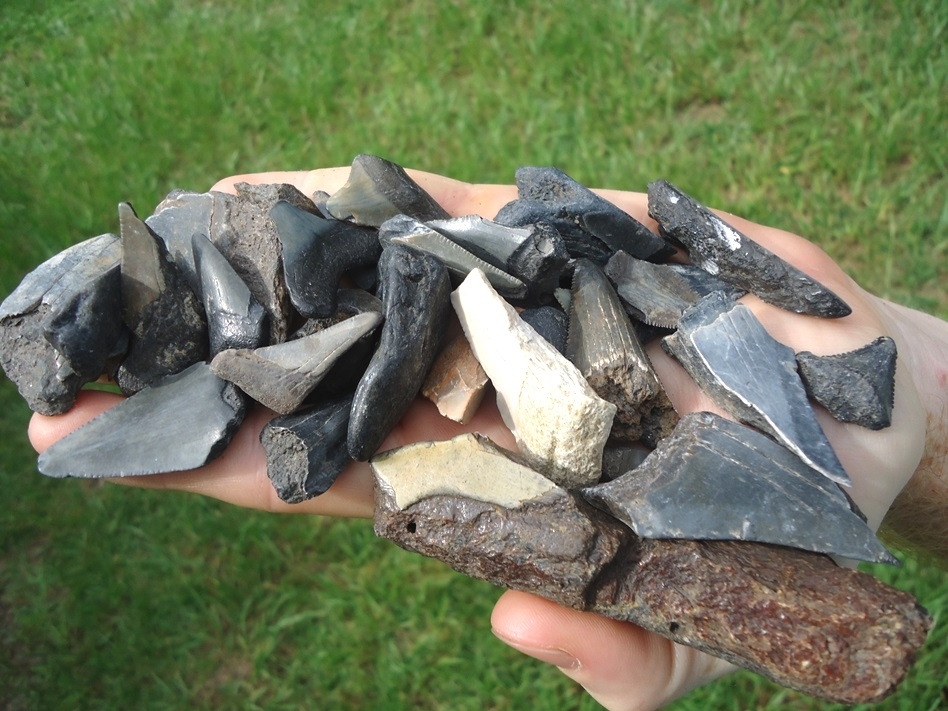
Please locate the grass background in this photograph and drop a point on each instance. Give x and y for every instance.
(827, 119)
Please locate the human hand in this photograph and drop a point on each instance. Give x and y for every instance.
(621, 665)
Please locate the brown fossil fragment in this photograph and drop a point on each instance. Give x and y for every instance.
(792, 616)
(457, 382)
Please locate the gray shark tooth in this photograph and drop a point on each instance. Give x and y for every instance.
(714, 479)
(602, 344)
(457, 382)
(283, 375)
(166, 320)
(349, 302)
(745, 370)
(306, 451)
(59, 327)
(235, 319)
(550, 322)
(415, 290)
(558, 420)
(723, 251)
(596, 215)
(657, 294)
(491, 241)
(378, 189)
(316, 253)
(578, 241)
(461, 503)
(320, 198)
(856, 387)
(460, 262)
(182, 422)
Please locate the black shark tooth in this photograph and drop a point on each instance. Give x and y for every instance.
(856, 387)
(725, 252)
(551, 323)
(378, 189)
(316, 253)
(714, 479)
(745, 370)
(416, 294)
(182, 422)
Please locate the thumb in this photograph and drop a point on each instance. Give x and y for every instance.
(621, 665)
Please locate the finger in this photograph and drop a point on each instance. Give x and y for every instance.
(621, 665)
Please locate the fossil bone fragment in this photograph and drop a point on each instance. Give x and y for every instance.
(723, 251)
(858, 386)
(457, 382)
(559, 422)
(745, 370)
(714, 479)
(181, 422)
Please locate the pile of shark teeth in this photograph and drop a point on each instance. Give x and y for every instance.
(336, 312)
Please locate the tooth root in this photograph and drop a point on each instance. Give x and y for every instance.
(725, 252)
(714, 479)
(182, 422)
(457, 382)
(560, 424)
(377, 190)
(415, 291)
(283, 375)
(743, 369)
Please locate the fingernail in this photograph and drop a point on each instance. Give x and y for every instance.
(557, 657)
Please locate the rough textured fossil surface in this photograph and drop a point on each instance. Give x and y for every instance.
(457, 382)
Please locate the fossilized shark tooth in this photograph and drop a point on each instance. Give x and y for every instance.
(723, 251)
(235, 319)
(457, 382)
(602, 344)
(182, 422)
(283, 375)
(858, 635)
(489, 240)
(550, 322)
(559, 422)
(316, 253)
(657, 294)
(856, 387)
(579, 243)
(164, 316)
(306, 451)
(745, 370)
(63, 322)
(596, 215)
(378, 189)
(415, 291)
(714, 479)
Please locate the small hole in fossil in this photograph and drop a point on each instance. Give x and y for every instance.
(673, 627)
(411, 527)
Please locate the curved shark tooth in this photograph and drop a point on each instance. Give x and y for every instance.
(579, 242)
(723, 251)
(316, 253)
(657, 294)
(856, 387)
(165, 318)
(235, 319)
(63, 322)
(491, 241)
(745, 370)
(378, 189)
(414, 289)
(306, 451)
(283, 375)
(559, 422)
(182, 422)
(457, 382)
(596, 215)
(602, 344)
(714, 479)
(550, 322)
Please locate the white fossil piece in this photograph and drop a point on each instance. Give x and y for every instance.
(559, 422)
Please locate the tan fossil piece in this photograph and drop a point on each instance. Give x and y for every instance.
(457, 382)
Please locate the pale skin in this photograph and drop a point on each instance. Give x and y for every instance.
(622, 666)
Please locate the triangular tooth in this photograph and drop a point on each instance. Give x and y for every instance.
(559, 422)
(745, 370)
(235, 319)
(378, 189)
(316, 253)
(856, 387)
(457, 382)
(714, 479)
(723, 251)
(489, 240)
(602, 344)
(283, 375)
(182, 422)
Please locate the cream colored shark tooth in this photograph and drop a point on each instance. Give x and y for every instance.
(559, 422)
